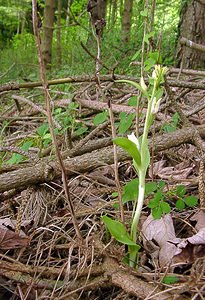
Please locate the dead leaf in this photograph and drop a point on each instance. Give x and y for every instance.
(162, 232)
(199, 217)
(179, 172)
(11, 240)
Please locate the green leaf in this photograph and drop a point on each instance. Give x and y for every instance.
(161, 184)
(133, 101)
(15, 159)
(165, 207)
(157, 213)
(81, 130)
(47, 136)
(150, 187)
(180, 204)
(136, 85)
(130, 191)
(41, 130)
(135, 56)
(153, 203)
(149, 63)
(170, 279)
(159, 94)
(125, 123)
(100, 118)
(130, 147)
(26, 145)
(118, 231)
(180, 190)
(191, 201)
(144, 13)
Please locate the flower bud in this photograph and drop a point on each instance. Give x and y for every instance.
(134, 139)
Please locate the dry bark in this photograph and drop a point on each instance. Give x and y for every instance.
(44, 171)
(87, 78)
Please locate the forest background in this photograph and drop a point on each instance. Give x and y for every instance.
(59, 170)
(69, 27)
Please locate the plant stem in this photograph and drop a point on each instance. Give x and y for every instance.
(140, 202)
(142, 170)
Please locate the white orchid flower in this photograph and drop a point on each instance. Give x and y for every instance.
(155, 105)
(132, 137)
(143, 85)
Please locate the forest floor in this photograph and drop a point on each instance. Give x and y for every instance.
(41, 255)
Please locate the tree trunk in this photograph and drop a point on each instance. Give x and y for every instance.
(126, 20)
(191, 27)
(97, 10)
(114, 12)
(58, 34)
(49, 12)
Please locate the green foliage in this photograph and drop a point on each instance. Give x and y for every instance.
(130, 147)
(160, 203)
(172, 126)
(118, 231)
(154, 58)
(170, 279)
(100, 118)
(67, 118)
(126, 121)
(17, 158)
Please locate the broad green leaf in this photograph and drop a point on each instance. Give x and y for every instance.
(41, 130)
(149, 63)
(136, 85)
(133, 101)
(170, 279)
(144, 13)
(15, 159)
(81, 130)
(130, 191)
(100, 118)
(150, 187)
(135, 56)
(47, 136)
(180, 204)
(26, 145)
(165, 207)
(156, 56)
(180, 190)
(125, 123)
(159, 93)
(118, 231)
(191, 201)
(157, 213)
(153, 203)
(161, 184)
(130, 147)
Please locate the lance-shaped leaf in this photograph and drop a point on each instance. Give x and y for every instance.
(136, 85)
(118, 231)
(130, 147)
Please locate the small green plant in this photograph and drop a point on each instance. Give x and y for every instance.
(182, 200)
(159, 205)
(67, 118)
(16, 157)
(170, 279)
(172, 126)
(139, 151)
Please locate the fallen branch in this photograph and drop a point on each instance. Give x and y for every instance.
(103, 78)
(44, 171)
(184, 41)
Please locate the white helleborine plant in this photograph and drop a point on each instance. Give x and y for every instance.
(132, 137)
(139, 151)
